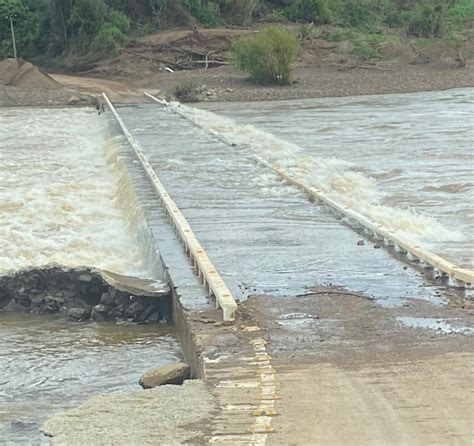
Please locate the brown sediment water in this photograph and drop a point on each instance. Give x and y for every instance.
(264, 236)
(68, 201)
(65, 199)
(49, 364)
(405, 161)
(62, 195)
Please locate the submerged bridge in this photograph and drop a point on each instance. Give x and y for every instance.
(155, 144)
(228, 225)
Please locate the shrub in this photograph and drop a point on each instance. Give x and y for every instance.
(87, 17)
(363, 13)
(268, 56)
(187, 91)
(99, 28)
(119, 21)
(339, 34)
(276, 15)
(307, 31)
(426, 19)
(217, 12)
(108, 41)
(238, 12)
(316, 11)
(204, 11)
(461, 12)
(368, 47)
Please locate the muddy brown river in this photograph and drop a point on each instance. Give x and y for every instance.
(60, 201)
(404, 160)
(49, 364)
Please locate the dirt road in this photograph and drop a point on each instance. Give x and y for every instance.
(345, 372)
(116, 90)
(421, 402)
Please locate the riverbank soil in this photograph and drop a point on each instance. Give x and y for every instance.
(162, 61)
(344, 371)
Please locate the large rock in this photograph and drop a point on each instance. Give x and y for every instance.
(78, 314)
(168, 374)
(98, 313)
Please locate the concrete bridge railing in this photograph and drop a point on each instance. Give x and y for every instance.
(460, 276)
(206, 271)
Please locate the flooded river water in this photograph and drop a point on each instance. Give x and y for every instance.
(58, 195)
(267, 237)
(61, 201)
(406, 160)
(48, 364)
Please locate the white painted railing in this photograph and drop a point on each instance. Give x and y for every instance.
(460, 276)
(205, 269)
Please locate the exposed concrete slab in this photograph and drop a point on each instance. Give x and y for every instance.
(345, 371)
(176, 266)
(148, 417)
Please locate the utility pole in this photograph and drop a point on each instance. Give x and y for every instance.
(13, 34)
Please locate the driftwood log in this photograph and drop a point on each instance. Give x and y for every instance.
(420, 58)
(179, 58)
(460, 59)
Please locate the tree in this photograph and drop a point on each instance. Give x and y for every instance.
(26, 22)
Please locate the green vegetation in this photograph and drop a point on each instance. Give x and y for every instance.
(268, 56)
(99, 28)
(306, 31)
(427, 18)
(49, 29)
(460, 12)
(55, 27)
(368, 46)
(187, 91)
(316, 11)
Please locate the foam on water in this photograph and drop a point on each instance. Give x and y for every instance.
(336, 177)
(58, 197)
(262, 235)
(417, 148)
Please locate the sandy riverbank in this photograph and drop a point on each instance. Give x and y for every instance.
(323, 69)
(226, 84)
